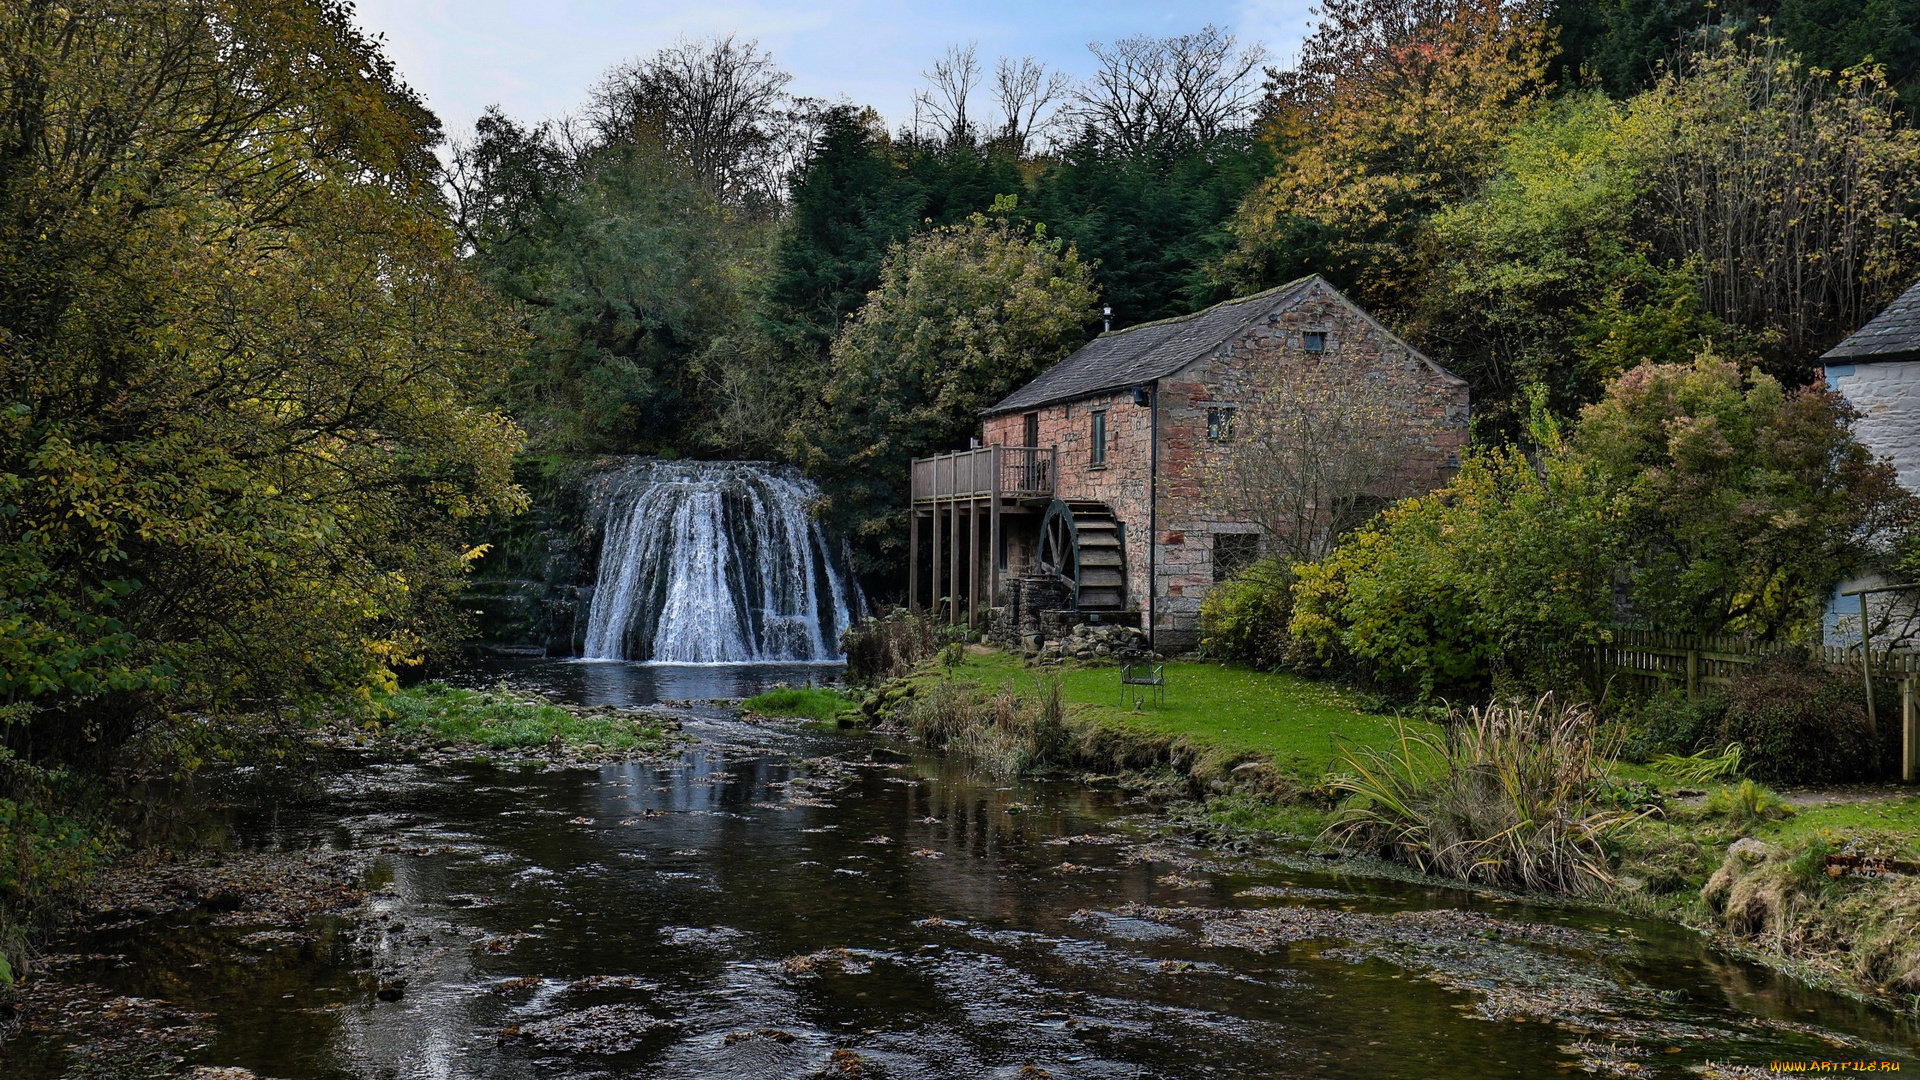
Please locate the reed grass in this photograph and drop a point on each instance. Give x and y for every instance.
(1008, 732)
(1512, 795)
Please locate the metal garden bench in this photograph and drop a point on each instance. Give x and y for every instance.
(1151, 675)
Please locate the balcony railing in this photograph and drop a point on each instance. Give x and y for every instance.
(1011, 472)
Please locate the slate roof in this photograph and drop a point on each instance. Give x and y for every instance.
(1149, 351)
(1894, 334)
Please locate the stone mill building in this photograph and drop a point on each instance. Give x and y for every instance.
(1082, 501)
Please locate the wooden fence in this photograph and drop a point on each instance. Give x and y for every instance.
(1643, 662)
(1647, 662)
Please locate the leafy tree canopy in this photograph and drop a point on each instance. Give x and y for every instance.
(1691, 498)
(1749, 501)
(963, 315)
(239, 357)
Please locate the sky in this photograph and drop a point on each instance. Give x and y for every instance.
(536, 58)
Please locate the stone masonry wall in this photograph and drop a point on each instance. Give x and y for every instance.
(1184, 554)
(1888, 397)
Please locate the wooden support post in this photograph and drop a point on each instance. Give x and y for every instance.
(913, 558)
(993, 531)
(953, 559)
(934, 567)
(1866, 677)
(973, 564)
(1693, 674)
(1909, 732)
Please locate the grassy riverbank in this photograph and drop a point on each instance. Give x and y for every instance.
(501, 721)
(1821, 883)
(1258, 746)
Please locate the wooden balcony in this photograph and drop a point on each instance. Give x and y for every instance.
(1016, 474)
(957, 494)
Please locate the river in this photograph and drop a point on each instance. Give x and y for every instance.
(778, 895)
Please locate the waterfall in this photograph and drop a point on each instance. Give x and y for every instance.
(705, 562)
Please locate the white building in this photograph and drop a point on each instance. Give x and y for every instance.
(1877, 370)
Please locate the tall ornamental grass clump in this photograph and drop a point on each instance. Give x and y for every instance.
(887, 646)
(1007, 732)
(1511, 795)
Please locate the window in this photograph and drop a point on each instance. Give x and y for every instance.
(1314, 341)
(1098, 454)
(1220, 424)
(1233, 552)
(1032, 421)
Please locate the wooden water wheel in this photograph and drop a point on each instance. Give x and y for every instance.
(1081, 543)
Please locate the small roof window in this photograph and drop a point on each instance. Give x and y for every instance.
(1314, 341)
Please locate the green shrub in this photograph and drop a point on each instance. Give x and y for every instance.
(1245, 617)
(52, 839)
(1508, 567)
(888, 646)
(1669, 723)
(1513, 795)
(1799, 723)
(1747, 803)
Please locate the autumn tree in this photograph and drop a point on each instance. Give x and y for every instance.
(1790, 191)
(1544, 280)
(1748, 500)
(718, 108)
(964, 315)
(1396, 109)
(239, 367)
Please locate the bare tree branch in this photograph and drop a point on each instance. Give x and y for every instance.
(942, 104)
(720, 105)
(1026, 93)
(1313, 455)
(1150, 91)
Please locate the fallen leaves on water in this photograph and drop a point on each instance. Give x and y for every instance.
(503, 943)
(602, 1029)
(1609, 1059)
(847, 1065)
(611, 982)
(283, 888)
(826, 962)
(114, 1034)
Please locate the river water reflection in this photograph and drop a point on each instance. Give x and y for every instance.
(777, 895)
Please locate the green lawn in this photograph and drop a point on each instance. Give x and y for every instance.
(1234, 710)
(1889, 824)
